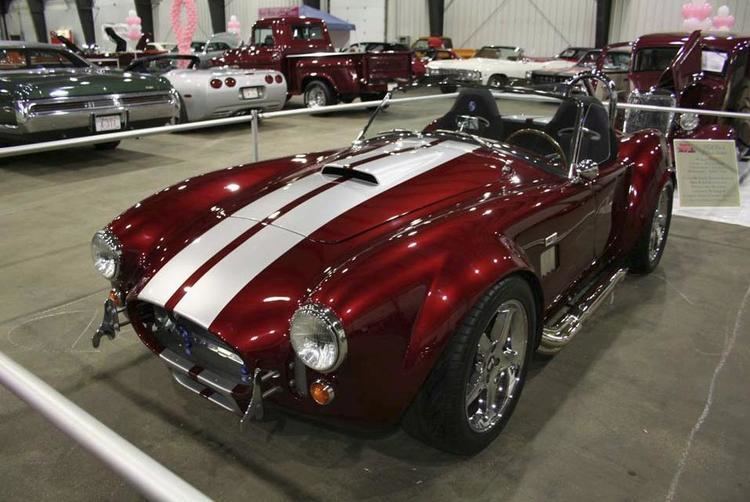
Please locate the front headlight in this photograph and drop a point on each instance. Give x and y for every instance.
(318, 338)
(528, 75)
(106, 252)
(688, 121)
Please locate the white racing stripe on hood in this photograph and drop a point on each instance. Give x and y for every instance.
(212, 292)
(184, 264)
(395, 147)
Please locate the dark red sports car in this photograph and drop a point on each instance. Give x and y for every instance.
(409, 277)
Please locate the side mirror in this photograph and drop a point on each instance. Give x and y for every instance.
(585, 170)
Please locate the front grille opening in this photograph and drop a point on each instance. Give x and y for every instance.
(195, 344)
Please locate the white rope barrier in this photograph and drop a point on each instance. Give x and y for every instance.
(152, 479)
(46, 146)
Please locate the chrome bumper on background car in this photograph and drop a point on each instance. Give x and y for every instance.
(460, 75)
(63, 114)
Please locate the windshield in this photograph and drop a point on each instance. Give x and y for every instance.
(263, 36)
(497, 52)
(589, 59)
(29, 59)
(474, 114)
(571, 53)
(654, 58)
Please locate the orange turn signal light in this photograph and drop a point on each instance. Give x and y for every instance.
(321, 392)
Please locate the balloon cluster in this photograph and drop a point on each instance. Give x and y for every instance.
(723, 21)
(133, 23)
(233, 26)
(696, 15)
(184, 31)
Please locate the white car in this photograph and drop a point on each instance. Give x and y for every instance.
(213, 93)
(496, 66)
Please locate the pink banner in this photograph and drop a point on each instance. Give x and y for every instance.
(278, 12)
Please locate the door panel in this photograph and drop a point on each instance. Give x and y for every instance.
(609, 188)
(560, 242)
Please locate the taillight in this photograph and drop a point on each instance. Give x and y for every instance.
(269, 79)
(279, 79)
(230, 82)
(216, 83)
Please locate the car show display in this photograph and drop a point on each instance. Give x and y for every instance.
(212, 93)
(214, 294)
(335, 243)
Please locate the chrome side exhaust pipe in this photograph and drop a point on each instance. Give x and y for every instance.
(558, 335)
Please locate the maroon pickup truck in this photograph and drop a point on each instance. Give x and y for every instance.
(301, 49)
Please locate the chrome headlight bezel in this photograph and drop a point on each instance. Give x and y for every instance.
(688, 121)
(331, 327)
(106, 253)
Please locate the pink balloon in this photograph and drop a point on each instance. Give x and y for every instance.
(704, 11)
(184, 32)
(724, 22)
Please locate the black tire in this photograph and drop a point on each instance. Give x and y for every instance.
(109, 145)
(318, 93)
(497, 81)
(642, 260)
(438, 416)
(742, 126)
(183, 119)
(448, 89)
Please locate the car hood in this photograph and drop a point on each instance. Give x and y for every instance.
(42, 84)
(264, 244)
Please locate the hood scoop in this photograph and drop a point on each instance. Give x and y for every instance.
(349, 173)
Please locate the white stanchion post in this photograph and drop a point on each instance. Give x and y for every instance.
(254, 124)
(152, 479)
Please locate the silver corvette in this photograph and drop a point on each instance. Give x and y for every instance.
(213, 93)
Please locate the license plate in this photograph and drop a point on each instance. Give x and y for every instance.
(107, 123)
(250, 92)
(392, 85)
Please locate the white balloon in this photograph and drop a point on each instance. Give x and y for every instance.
(723, 11)
(691, 24)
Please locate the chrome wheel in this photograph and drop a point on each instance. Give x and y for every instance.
(659, 226)
(315, 97)
(497, 366)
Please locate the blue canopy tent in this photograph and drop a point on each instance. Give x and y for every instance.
(334, 23)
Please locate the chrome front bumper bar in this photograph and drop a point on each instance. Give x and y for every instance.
(221, 390)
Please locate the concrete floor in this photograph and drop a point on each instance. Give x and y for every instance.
(651, 401)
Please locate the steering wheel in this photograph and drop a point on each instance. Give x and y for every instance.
(544, 135)
(462, 121)
(590, 132)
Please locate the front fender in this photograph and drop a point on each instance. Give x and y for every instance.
(399, 322)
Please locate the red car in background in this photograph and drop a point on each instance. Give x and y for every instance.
(692, 70)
